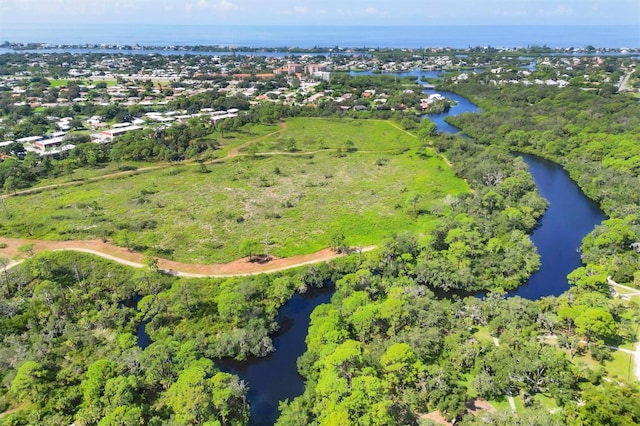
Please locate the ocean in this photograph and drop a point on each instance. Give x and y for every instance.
(328, 36)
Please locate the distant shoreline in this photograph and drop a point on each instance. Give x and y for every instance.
(311, 38)
(35, 47)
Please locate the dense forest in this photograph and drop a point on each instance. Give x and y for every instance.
(594, 135)
(388, 351)
(70, 352)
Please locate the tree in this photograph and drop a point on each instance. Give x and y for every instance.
(4, 206)
(11, 184)
(350, 146)
(291, 145)
(190, 396)
(427, 128)
(76, 124)
(413, 199)
(608, 403)
(27, 249)
(338, 242)
(5, 262)
(248, 248)
(197, 399)
(400, 365)
(151, 263)
(595, 323)
(29, 381)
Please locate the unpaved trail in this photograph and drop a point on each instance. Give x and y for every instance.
(240, 267)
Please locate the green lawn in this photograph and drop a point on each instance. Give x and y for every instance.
(482, 334)
(501, 404)
(58, 83)
(298, 201)
(620, 366)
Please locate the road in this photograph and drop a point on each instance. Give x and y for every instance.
(624, 81)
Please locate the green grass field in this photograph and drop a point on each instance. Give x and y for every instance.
(621, 366)
(58, 83)
(299, 201)
(228, 141)
(304, 134)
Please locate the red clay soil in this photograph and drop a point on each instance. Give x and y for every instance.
(120, 254)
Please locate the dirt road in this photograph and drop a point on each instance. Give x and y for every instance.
(240, 267)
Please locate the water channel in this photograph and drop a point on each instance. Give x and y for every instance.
(571, 215)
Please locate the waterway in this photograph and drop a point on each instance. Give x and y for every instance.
(569, 218)
(275, 377)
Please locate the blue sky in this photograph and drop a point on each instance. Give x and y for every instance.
(327, 12)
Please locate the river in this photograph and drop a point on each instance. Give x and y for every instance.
(275, 377)
(570, 216)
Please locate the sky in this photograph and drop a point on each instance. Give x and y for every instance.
(323, 12)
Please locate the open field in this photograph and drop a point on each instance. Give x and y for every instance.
(304, 134)
(58, 83)
(229, 143)
(298, 201)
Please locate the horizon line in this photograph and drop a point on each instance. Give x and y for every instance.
(565, 24)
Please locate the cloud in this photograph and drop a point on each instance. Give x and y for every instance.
(224, 6)
(560, 10)
(372, 11)
(297, 10)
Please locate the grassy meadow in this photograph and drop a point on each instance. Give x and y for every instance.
(298, 201)
(306, 134)
(227, 142)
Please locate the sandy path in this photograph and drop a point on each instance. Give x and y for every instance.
(238, 267)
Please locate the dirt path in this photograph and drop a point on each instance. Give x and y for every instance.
(632, 291)
(240, 267)
(234, 152)
(401, 129)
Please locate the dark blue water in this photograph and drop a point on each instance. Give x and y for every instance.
(455, 36)
(462, 105)
(570, 217)
(142, 337)
(275, 377)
